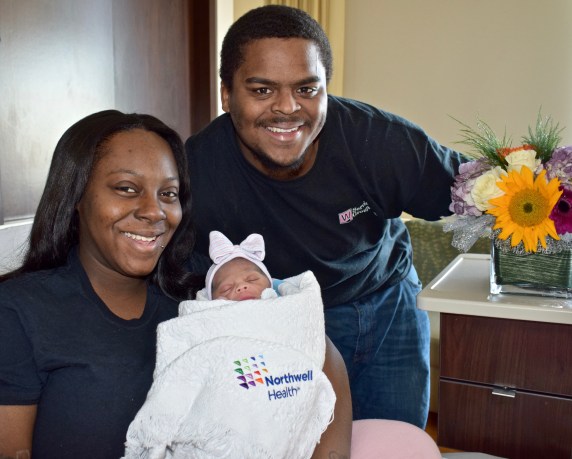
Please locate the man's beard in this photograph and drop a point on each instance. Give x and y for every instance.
(272, 166)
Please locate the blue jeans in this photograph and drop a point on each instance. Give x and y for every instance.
(384, 341)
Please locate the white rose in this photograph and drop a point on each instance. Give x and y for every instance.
(520, 158)
(486, 188)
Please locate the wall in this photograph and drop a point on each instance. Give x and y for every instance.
(48, 81)
(429, 60)
(226, 12)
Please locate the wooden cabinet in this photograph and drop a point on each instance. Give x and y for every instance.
(505, 387)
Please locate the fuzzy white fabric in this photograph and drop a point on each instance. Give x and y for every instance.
(207, 399)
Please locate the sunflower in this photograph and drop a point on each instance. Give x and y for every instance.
(523, 211)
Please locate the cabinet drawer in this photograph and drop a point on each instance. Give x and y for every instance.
(527, 426)
(533, 356)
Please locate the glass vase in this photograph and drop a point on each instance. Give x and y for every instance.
(531, 273)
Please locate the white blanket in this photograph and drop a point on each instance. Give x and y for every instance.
(239, 379)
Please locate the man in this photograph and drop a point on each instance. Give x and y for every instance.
(325, 180)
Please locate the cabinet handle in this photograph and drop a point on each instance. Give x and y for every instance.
(504, 392)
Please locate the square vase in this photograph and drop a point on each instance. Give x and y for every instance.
(532, 273)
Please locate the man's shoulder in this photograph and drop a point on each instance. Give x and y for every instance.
(357, 119)
(355, 110)
(214, 132)
(209, 150)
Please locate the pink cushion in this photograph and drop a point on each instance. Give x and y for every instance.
(381, 438)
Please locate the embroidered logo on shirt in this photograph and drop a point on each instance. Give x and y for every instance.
(348, 215)
(251, 370)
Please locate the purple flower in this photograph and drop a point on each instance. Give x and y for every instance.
(560, 166)
(461, 201)
(562, 212)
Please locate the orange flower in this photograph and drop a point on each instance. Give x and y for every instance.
(503, 152)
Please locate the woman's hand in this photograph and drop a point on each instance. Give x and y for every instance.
(16, 430)
(335, 442)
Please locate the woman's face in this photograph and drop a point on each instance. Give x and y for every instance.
(130, 208)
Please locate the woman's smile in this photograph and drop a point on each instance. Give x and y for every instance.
(130, 208)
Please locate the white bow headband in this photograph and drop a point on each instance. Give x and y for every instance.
(221, 251)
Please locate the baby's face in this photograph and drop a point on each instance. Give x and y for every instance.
(239, 280)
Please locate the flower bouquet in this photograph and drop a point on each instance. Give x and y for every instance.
(520, 197)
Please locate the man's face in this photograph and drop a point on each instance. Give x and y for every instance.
(278, 105)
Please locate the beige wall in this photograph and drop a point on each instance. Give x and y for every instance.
(242, 6)
(497, 59)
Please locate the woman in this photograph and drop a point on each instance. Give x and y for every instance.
(103, 268)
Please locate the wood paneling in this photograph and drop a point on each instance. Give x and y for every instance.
(56, 66)
(200, 56)
(151, 56)
(505, 387)
(524, 427)
(61, 60)
(534, 356)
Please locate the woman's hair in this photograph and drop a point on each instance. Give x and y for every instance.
(271, 21)
(56, 224)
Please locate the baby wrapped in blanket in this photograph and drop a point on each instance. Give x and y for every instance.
(240, 375)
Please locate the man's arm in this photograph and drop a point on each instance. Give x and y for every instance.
(335, 442)
(16, 430)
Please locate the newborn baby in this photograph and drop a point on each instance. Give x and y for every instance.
(240, 372)
(237, 272)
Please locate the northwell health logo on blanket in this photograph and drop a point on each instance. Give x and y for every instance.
(253, 371)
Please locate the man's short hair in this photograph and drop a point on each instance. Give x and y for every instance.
(271, 21)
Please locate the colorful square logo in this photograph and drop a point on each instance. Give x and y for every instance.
(251, 371)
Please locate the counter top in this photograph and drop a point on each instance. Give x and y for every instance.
(463, 288)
